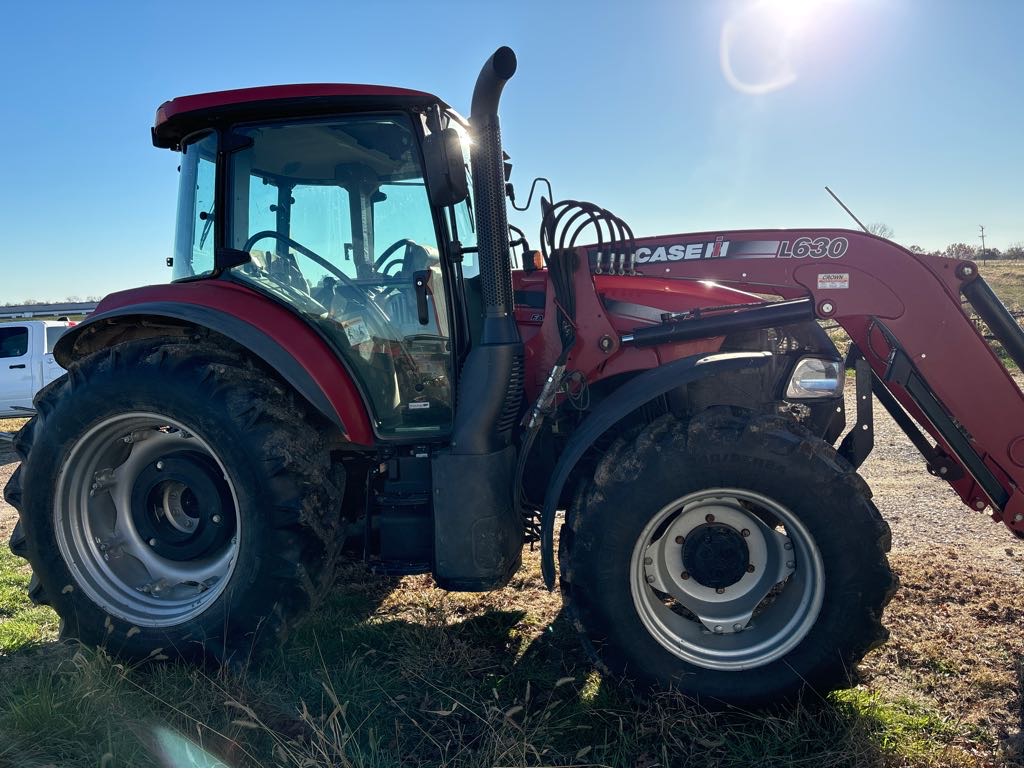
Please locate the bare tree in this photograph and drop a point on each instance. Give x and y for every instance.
(881, 229)
(959, 251)
(1014, 251)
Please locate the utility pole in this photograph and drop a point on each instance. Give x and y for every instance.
(983, 251)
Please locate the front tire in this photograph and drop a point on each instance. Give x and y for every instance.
(733, 557)
(174, 495)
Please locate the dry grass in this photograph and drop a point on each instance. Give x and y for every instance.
(11, 425)
(1007, 280)
(956, 648)
(400, 673)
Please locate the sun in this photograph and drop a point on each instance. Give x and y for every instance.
(792, 16)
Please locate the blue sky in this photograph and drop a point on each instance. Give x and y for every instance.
(911, 110)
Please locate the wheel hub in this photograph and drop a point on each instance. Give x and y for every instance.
(178, 506)
(715, 555)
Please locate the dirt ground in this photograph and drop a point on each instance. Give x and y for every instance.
(956, 645)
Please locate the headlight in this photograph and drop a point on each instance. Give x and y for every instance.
(816, 378)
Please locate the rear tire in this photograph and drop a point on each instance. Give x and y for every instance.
(734, 558)
(176, 496)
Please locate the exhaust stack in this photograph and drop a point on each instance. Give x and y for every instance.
(491, 385)
(474, 513)
(489, 194)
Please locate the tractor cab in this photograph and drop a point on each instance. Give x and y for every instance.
(331, 215)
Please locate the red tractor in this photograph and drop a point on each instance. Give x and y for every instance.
(346, 364)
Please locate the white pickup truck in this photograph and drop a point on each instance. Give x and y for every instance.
(26, 362)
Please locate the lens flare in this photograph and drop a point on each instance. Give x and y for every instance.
(758, 41)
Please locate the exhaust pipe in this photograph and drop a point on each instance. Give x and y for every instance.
(478, 534)
(491, 385)
(489, 195)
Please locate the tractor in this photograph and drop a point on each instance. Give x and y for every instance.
(358, 359)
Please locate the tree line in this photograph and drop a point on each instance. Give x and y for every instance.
(65, 300)
(954, 250)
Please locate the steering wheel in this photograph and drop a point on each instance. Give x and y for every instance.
(307, 252)
(382, 317)
(383, 258)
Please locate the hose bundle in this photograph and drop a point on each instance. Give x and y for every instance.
(565, 221)
(561, 226)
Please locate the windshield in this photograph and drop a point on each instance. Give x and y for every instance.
(336, 218)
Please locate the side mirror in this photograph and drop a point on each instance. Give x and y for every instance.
(445, 168)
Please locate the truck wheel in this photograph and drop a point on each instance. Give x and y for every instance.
(175, 496)
(734, 558)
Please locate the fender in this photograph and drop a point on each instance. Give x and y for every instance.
(631, 396)
(272, 333)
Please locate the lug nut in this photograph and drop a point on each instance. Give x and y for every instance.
(790, 564)
(152, 542)
(709, 518)
(750, 568)
(217, 519)
(685, 575)
(1018, 517)
(719, 590)
(719, 628)
(650, 578)
(160, 465)
(680, 539)
(738, 627)
(648, 561)
(788, 546)
(745, 533)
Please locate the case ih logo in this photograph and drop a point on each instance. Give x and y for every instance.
(675, 253)
(801, 248)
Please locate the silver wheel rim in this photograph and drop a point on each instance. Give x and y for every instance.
(146, 519)
(754, 620)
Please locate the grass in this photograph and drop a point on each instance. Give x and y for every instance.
(1007, 280)
(21, 623)
(400, 673)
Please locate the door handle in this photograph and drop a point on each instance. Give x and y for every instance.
(421, 279)
(17, 365)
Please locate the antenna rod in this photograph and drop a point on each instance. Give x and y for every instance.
(847, 210)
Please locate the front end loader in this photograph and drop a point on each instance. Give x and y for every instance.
(346, 366)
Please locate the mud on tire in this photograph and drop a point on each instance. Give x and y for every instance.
(643, 594)
(175, 495)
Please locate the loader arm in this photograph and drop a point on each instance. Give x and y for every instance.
(904, 313)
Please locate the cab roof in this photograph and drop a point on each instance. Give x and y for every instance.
(177, 118)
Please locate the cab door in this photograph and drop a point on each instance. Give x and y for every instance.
(337, 219)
